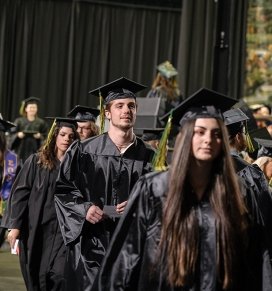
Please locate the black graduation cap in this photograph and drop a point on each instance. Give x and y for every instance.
(202, 103)
(234, 120)
(118, 89)
(149, 134)
(262, 141)
(251, 123)
(233, 116)
(5, 125)
(31, 100)
(63, 121)
(84, 113)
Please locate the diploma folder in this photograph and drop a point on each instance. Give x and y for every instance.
(110, 211)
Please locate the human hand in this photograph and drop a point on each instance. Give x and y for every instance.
(94, 214)
(12, 236)
(37, 135)
(20, 134)
(120, 208)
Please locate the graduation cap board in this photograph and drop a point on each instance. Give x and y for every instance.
(233, 116)
(234, 120)
(83, 113)
(5, 125)
(118, 89)
(63, 121)
(203, 103)
(258, 135)
(167, 70)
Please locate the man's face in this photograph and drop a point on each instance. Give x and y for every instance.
(84, 129)
(122, 113)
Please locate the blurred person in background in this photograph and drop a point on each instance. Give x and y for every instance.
(86, 118)
(9, 167)
(30, 130)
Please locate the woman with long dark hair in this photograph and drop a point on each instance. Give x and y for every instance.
(33, 218)
(188, 228)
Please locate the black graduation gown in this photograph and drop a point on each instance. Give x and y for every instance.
(257, 194)
(132, 261)
(94, 172)
(32, 210)
(28, 145)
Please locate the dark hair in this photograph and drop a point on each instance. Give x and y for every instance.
(48, 154)
(94, 129)
(179, 237)
(3, 142)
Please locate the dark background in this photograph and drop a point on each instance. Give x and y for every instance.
(59, 50)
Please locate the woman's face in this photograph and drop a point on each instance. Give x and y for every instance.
(207, 139)
(268, 170)
(64, 138)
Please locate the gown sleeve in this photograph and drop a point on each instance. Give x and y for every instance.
(19, 196)
(71, 205)
(121, 266)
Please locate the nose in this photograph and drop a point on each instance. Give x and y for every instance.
(208, 137)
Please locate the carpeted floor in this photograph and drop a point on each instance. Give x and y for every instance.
(10, 274)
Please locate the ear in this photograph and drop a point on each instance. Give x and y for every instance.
(108, 114)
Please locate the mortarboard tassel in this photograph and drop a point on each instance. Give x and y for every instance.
(22, 109)
(102, 114)
(159, 159)
(249, 144)
(50, 134)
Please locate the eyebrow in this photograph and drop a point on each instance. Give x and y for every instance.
(203, 127)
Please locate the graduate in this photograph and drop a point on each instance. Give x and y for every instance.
(95, 180)
(86, 118)
(187, 228)
(30, 129)
(33, 218)
(9, 167)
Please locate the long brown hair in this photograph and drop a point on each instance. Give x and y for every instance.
(169, 85)
(48, 153)
(179, 236)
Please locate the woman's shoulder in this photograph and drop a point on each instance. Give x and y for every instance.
(156, 182)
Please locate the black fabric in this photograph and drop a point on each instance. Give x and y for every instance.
(31, 208)
(28, 144)
(133, 262)
(209, 59)
(258, 194)
(93, 172)
(59, 50)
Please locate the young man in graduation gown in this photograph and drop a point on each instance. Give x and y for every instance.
(95, 180)
(258, 194)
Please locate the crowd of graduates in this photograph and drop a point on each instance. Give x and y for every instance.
(109, 210)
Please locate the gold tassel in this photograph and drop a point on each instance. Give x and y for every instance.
(50, 134)
(270, 182)
(102, 114)
(159, 159)
(22, 109)
(249, 144)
